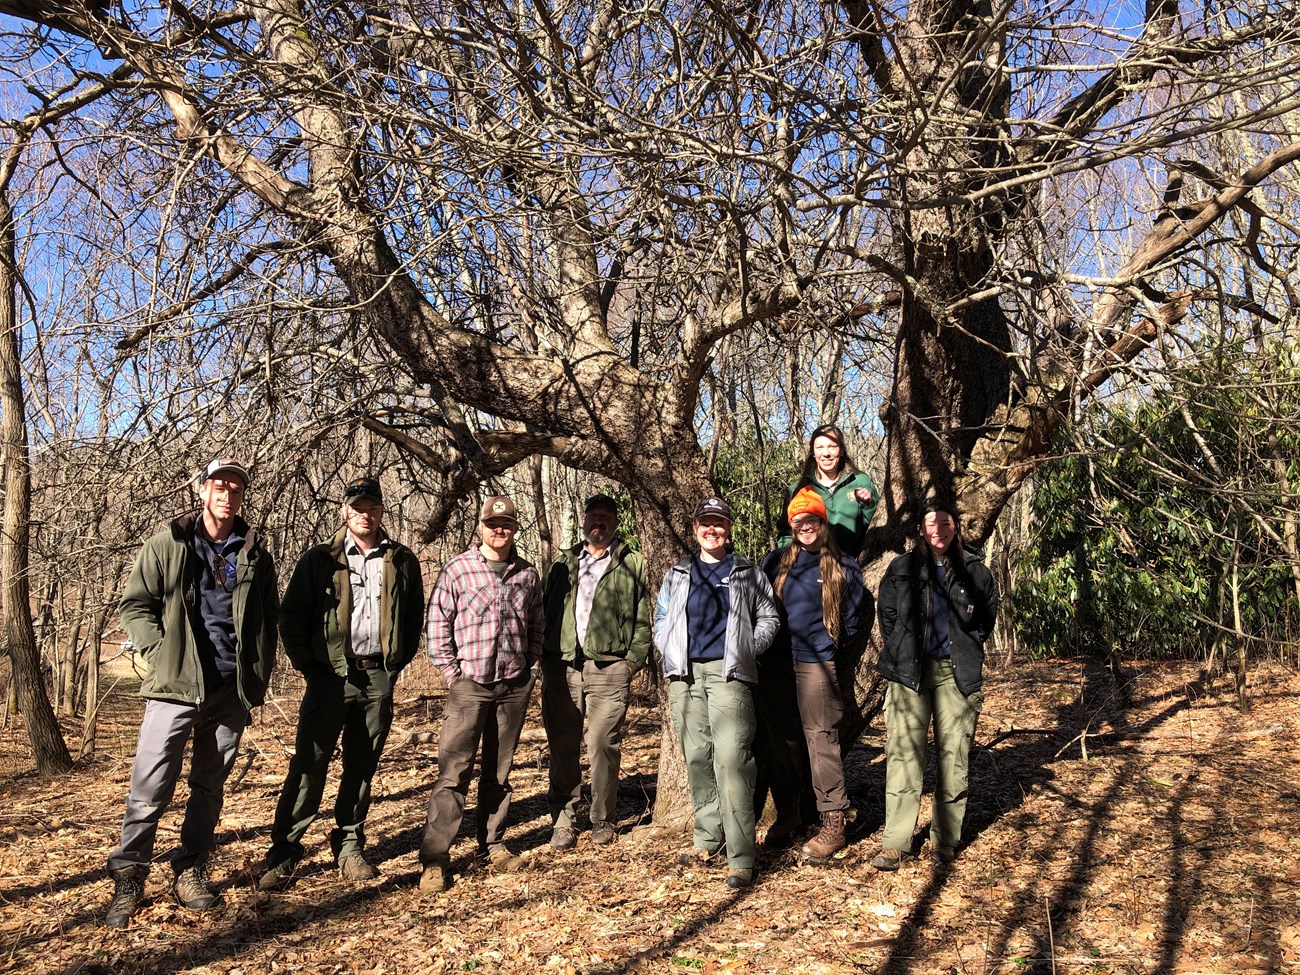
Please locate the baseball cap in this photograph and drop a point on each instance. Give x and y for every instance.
(499, 506)
(360, 488)
(600, 501)
(712, 506)
(224, 467)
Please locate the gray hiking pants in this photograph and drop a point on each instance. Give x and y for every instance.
(215, 727)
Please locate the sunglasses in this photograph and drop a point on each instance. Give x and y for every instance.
(223, 572)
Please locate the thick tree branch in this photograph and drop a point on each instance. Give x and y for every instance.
(1003, 460)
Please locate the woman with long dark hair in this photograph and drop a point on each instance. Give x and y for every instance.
(819, 592)
(849, 495)
(937, 605)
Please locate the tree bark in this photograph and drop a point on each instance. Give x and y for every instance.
(48, 747)
(90, 695)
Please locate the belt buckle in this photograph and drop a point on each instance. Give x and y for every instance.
(367, 663)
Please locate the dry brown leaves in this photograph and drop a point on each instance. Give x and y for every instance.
(1153, 832)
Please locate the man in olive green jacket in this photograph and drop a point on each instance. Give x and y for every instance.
(598, 636)
(200, 607)
(350, 622)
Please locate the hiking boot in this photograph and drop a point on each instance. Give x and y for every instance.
(738, 879)
(435, 878)
(192, 889)
(356, 869)
(563, 837)
(501, 860)
(128, 891)
(277, 876)
(888, 860)
(942, 856)
(602, 834)
(829, 841)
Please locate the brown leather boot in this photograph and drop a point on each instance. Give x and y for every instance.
(128, 890)
(829, 841)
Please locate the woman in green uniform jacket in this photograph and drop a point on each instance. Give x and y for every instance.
(850, 495)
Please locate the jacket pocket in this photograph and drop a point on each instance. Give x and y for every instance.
(163, 671)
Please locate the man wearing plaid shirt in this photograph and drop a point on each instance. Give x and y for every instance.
(485, 630)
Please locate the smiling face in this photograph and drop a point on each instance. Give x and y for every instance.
(827, 454)
(498, 537)
(807, 531)
(938, 528)
(712, 533)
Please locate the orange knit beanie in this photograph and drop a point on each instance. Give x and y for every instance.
(806, 502)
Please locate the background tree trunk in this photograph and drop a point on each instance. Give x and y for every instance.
(90, 694)
(48, 747)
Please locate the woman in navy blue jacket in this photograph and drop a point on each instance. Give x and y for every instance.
(820, 595)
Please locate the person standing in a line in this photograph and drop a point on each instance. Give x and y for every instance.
(350, 621)
(485, 630)
(714, 616)
(597, 637)
(200, 605)
(819, 591)
(937, 606)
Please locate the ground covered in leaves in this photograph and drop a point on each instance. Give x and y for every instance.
(1155, 829)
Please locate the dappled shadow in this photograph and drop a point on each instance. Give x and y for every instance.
(1006, 775)
(1047, 836)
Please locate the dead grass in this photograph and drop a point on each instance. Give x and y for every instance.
(1150, 832)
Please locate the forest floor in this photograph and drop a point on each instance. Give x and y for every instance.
(1153, 830)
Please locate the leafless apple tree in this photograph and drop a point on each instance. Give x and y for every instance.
(570, 229)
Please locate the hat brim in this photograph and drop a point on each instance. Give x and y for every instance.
(229, 469)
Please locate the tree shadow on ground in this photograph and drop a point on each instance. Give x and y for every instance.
(1009, 774)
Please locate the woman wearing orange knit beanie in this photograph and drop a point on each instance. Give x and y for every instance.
(820, 595)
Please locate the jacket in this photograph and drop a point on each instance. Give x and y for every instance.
(904, 604)
(847, 518)
(751, 624)
(620, 608)
(159, 610)
(319, 596)
(814, 642)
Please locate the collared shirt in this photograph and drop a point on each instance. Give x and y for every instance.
(591, 569)
(366, 574)
(483, 627)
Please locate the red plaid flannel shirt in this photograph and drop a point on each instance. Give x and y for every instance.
(484, 627)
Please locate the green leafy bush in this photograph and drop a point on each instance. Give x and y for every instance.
(1158, 543)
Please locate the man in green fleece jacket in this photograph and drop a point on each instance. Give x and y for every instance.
(350, 622)
(597, 637)
(200, 607)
